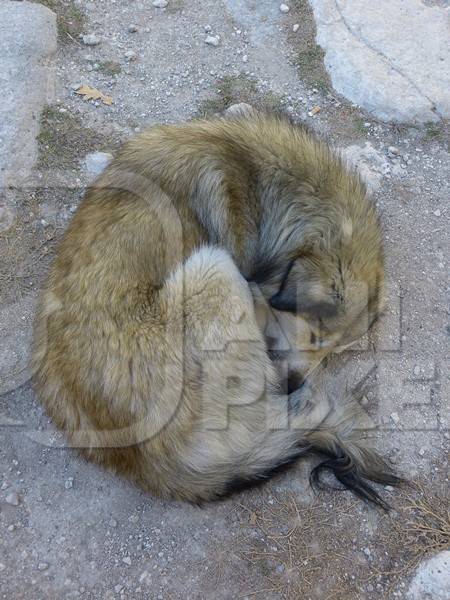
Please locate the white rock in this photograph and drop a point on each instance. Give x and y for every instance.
(7, 216)
(395, 417)
(112, 523)
(437, 213)
(132, 29)
(295, 27)
(370, 163)
(160, 3)
(2, 567)
(27, 51)
(416, 370)
(241, 109)
(130, 55)
(212, 40)
(126, 560)
(284, 8)
(43, 566)
(96, 162)
(432, 579)
(422, 451)
(91, 39)
(369, 57)
(13, 498)
(69, 483)
(393, 150)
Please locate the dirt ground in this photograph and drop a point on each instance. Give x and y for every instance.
(70, 530)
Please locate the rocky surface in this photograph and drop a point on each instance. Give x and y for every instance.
(27, 51)
(432, 580)
(70, 530)
(27, 70)
(391, 56)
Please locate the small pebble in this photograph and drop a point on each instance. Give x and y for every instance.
(130, 55)
(393, 150)
(422, 451)
(437, 213)
(69, 483)
(2, 567)
(126, 560)
(208, 28)
(395, 417)
(295, 28)
(367, 551)
(212, 40)
(13, 498)
(11, 528)
(284, 8)
(4, 486)
(416, 370)
(132, 29)
(160, 3)
(112, 523)
(96, 162)
(90, 39)
(43, 566)
(389, 488)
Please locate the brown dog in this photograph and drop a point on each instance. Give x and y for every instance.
(147, 350)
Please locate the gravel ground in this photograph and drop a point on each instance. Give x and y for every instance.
(70, 530)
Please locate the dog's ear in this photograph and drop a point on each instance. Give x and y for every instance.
(301, 292)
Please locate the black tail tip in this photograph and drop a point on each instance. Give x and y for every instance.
(354, 479)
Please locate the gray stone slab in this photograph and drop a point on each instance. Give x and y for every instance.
(432, 579)
(391, 57)
(27, 50)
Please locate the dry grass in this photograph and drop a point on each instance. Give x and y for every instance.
(64, 140)
(419, 529)
(69, 18)
(309, 55)
(293, 560)
(235, 89)
(315, 551)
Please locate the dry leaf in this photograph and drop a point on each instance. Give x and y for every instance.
(314, 111)
(90, 93)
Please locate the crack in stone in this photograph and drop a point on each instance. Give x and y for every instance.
(379, 53)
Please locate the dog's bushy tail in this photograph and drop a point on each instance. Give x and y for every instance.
(352, 464)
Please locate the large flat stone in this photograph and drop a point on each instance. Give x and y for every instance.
(432, 579)
(27, 50)
(391, 57)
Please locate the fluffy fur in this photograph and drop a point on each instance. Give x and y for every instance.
(147, 350)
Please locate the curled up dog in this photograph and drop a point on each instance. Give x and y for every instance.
(148, 350)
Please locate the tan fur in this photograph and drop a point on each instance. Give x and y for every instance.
(147, 349)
